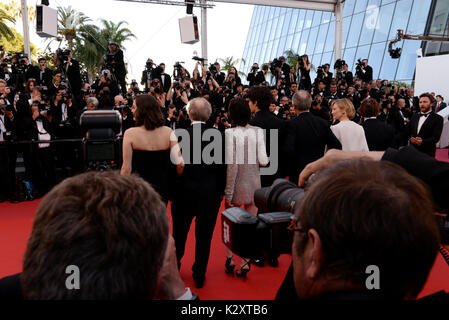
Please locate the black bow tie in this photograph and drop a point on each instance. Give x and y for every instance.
(425, 115)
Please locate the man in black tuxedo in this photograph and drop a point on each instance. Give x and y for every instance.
(260, 99)
(412, 102)
(365, 72)
(261, 75)
(379, 135)
(440, 104)
(307, 137)
(44, 74)
(165, 78)
(114, 61)
(199, 190)
(424, 129)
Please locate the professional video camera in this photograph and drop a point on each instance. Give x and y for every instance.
(249, 236)
(63, 55)
(276, 63)
(320, 72)
(177, 69)
(196, 58)
(101, 146)
(360, 65)
(254, 69)
(156, 87)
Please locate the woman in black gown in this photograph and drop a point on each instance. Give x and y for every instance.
(151, 149)
(305, 82)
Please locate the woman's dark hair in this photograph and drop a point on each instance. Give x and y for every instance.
(239, 112)
(148, 112)
(369, 108)
(28, 83)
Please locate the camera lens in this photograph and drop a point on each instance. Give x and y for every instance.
(282, 196)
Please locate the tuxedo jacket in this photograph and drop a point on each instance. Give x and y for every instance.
(379, 135)
(260, 77)
(200, 183)
(430, 132)
(307, 137)
(414, 107)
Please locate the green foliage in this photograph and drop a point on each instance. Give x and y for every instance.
(229, 62)
(5, 30)
(16, 44)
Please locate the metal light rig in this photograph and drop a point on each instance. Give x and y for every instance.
(396, 53)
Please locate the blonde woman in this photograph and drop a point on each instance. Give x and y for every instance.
(350, 134)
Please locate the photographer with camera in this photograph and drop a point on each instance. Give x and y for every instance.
(217, 74)
(7, 152)
(147, 74)
(69, 70)
(363, 71)
(252, 74)
(113, 61)
(22, 70)
(157, 91)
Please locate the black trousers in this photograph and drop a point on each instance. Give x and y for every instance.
(205, 212)
(8, 156)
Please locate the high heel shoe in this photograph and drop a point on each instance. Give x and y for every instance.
(242, 271)
(229, 267)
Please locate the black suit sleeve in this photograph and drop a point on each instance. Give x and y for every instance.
(433, 172)
(332, 141)
(436, 134)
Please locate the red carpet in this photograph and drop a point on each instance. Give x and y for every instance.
(261, 284)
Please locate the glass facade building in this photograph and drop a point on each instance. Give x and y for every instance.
(368, 27)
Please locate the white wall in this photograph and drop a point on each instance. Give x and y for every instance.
(432, 75)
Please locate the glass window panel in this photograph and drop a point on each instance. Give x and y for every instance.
(318, 59)
(418, 17)
(270, 13)
(440, 18)
(274, 49)
(273, 30)
(326, 17)
(321, 38)
(281, 47)
(295, 14)
(374, 3)
(407, 63)
(346, 24)
(312, 40)
(326, 58)
(401, 15)
(369, 25)
(354, 32)
(360, 5)
(301, 19)
(279, 27)
(295, 46)
(384, 2)
(276, 11)
(262, 29)
(330, 40)
(383, 23)
(375, 58)
(268, 30)
(362, 53)
(304, 39)
(348, 56)
(308, 21)
(316, 18)
(268, 52)
(287, 19)
(389, 66)
(288, 44)
(282, 11)
(348, 7)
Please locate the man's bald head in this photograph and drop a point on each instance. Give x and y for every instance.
(199, 109)
(302, 100)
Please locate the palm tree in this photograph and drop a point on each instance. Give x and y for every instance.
(89, 48)
(70, 22)
(229, 62)
(115, 32)
(5, 31)
(91, 43)
(14, 9)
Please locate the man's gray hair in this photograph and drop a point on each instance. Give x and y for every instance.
(199, 109)
(92, 100)
(302, 100)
